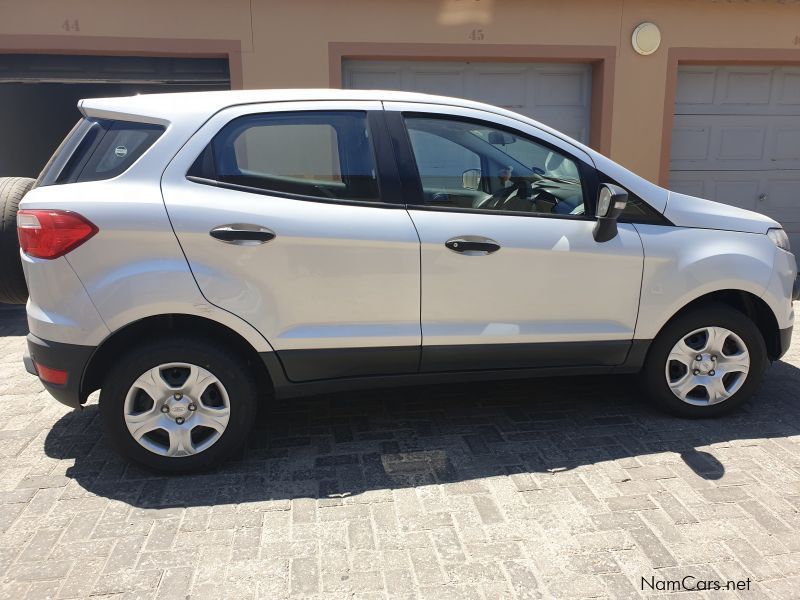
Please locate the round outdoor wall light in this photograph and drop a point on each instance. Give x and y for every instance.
(646, 38)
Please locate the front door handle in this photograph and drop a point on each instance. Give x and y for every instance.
(472, 244)
(242, 234)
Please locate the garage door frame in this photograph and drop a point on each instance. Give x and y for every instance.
(677, 57)
(121, 46)
(601, 59)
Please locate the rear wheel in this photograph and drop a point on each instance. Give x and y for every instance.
(705, 363)
(12, 280)
(178, 405)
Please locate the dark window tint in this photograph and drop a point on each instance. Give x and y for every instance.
(98, 149)
(316, 154)
(65, 152)
(121, 145)
(470, 164)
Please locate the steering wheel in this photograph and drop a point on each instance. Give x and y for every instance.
(499, 198)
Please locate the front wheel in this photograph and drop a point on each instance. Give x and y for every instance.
(705, 363)
(178, 405)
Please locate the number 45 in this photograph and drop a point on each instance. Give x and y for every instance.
(476, 35)
(71, 25)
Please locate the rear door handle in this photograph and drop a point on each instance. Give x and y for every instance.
(242, 234)
(472, 244)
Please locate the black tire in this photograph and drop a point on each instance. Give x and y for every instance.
(653, 377)
(12, 280)
(225, 365)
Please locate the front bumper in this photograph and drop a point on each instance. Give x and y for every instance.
(71, 358)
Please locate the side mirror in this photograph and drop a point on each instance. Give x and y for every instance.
(471, 179)
(610, 204)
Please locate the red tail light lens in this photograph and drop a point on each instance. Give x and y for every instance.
(52, 233)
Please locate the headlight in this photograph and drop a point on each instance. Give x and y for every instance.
(780, 238)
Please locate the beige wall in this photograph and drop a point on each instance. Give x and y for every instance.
(286, 44)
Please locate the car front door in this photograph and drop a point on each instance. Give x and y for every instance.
(290, 217)
(512, 277)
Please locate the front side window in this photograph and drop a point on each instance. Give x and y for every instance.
(469, 164)
(324, 154)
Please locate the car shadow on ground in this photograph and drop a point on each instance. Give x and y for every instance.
(13, 320)
(339, 445)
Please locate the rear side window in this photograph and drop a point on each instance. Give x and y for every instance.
(319, 154)
(98, 149)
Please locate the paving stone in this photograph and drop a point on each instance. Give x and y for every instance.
(567, 488)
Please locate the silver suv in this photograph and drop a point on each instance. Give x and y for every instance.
(187, 254)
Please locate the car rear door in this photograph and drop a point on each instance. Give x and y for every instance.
(512, 280)
(290, 217)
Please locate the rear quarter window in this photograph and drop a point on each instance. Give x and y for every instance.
(98, 149)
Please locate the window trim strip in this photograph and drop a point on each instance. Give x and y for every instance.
(264, 192)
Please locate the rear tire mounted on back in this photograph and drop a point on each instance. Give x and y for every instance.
(705, 363)
(178, 405)
(12, 280)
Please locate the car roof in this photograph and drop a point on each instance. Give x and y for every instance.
(176, 107)
(165, 105)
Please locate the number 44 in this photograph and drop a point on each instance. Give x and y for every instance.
(71, 25)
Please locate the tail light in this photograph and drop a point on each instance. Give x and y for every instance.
(52, 233)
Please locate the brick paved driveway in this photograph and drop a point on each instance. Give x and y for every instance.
(526, 489)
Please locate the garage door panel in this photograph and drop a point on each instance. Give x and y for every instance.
(561, 89)
(789, 87)
(736, 189)
(501, 89)
(557, 94)
(784, 192)
(742, 193)
(782, 203)
(688, 186)
(695, 89)
(376, 80)
(745, 87)
(570, 122)
(787, 144)
(773, 193)
(720, 142)
(441, 83)
(738, 90)
(689, 144)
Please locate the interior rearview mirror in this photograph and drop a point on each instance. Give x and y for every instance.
(471, 179)
(500, 137)
(611, 201)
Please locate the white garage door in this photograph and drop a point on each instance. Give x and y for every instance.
(736, 139)
(556, 94)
